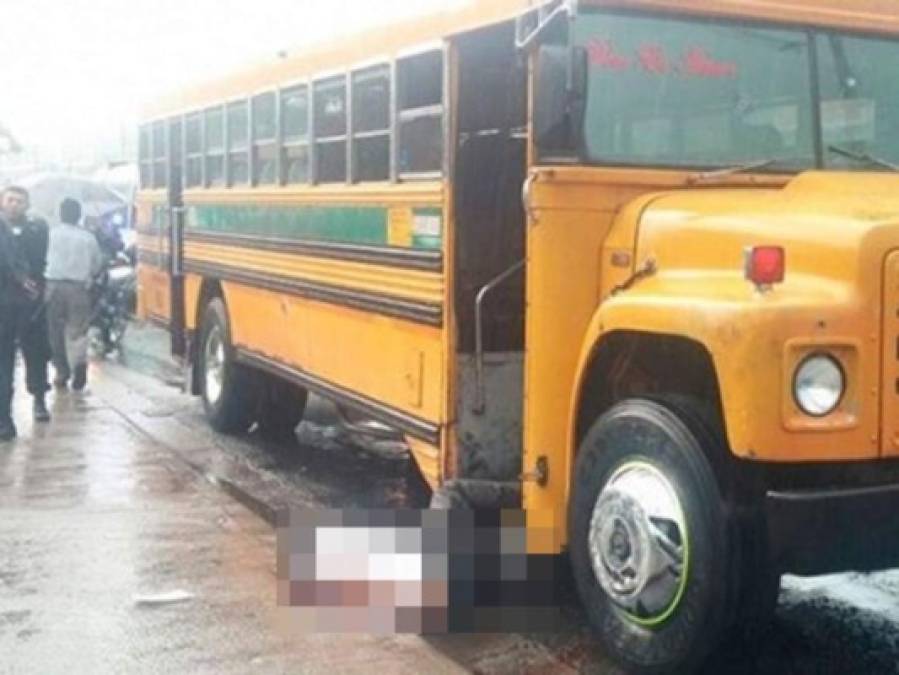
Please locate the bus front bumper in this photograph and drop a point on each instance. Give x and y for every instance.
(814, 532)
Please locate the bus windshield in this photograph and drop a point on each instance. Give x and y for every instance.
(859, 100)
(707, 94)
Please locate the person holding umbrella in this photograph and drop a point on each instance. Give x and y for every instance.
(30, 239)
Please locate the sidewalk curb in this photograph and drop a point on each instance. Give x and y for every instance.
(244, 484)
(243, 495)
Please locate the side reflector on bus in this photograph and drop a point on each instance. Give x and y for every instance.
(766, 265)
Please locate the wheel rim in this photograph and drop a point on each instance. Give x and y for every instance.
(639, 544)
(214, 365)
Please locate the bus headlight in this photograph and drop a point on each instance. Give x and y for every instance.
(819, 385)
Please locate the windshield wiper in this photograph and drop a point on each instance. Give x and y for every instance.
(865, 157)
(719, 174)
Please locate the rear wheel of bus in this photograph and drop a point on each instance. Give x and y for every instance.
(658, 562)
(224, 384)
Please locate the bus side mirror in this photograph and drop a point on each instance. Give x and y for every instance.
(560, 98)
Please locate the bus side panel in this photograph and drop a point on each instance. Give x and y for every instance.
(193, 285)
(153, 295)
(391, 361)
(154, 291)
(574, 210)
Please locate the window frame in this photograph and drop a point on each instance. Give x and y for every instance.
(436, 111)
(199, 155)
(257, 144)
(159, 161)
(284, 143)
(349, 80)
(335, 80)
(145, 155)
(175, 143)
(210, 154)
(365, 73)
(229, 146)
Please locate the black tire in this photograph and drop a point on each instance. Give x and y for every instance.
(281, 406)
(228, 409)
(117, 331)
(758, 580)
(653, 435)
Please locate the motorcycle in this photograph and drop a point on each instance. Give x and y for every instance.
(115, 300)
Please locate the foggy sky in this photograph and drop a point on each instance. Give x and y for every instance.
(75, 69)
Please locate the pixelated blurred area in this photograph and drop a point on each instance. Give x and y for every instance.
(415, 572)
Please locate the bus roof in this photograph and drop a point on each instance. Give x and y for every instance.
(880, 16)
(366, 47)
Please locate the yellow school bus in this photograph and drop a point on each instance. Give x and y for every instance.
(632, 265)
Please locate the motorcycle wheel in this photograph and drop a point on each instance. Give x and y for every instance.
(116, 334)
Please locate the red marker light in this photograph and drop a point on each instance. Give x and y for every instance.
(766, 265)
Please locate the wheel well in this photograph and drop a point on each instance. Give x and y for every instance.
(209, 289)
(629, 364)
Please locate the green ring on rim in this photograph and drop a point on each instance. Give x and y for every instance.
(668, 612)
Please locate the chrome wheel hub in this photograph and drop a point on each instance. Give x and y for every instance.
(214, 365)
(638, 543)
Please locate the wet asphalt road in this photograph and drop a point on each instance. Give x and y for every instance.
(129, 493)
(98, 518)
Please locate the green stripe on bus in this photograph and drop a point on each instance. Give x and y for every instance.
(339, 224)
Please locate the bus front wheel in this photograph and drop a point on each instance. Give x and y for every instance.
(223, 382)
(653, 559)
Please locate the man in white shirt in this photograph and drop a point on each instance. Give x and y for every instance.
(74, 260)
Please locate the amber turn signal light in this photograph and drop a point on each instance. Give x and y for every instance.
(766, 265)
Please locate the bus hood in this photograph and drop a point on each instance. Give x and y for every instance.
(833, 226)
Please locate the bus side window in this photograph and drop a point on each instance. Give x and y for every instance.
(215, 147)
(371, 124)
(159, 155)
(193, 151)
(238, 126)
(265, 132)
(175, 145)
(146, 161)
(420, 114)
(330, 127)
(295, 135)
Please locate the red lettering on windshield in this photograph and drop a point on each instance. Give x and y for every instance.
(653, 59)
(603, 55)
(699, 64)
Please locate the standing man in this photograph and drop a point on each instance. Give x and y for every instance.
(17, 293)
(31, 237)
(73, 261)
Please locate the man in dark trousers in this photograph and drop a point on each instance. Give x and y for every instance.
(18, 293)
(31, 236)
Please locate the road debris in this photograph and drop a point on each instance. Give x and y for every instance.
(166, 598)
